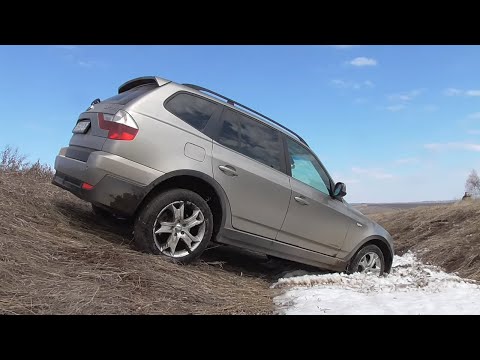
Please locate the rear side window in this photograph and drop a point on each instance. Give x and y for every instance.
(194, 110)
(251, 138)
(127, 96)
(230, 132)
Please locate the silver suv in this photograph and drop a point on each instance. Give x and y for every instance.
(191, 166)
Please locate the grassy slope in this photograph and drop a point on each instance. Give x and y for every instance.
(446, 235)
(55, 257)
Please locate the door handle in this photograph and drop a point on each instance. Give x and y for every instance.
(228, 170)
(301, 200)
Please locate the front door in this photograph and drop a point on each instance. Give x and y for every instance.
(314, 221)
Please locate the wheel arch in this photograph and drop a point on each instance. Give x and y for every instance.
(383, 245)
(198, 182)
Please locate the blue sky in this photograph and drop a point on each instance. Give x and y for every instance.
(395, 123)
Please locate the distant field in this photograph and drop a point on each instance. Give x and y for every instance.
(447, 235)
(390, 207)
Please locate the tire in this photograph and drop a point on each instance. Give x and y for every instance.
(186, 236)
(365, 256)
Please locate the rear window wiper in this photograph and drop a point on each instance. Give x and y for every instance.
(96, 101)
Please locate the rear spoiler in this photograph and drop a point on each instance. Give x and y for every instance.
(142, 81)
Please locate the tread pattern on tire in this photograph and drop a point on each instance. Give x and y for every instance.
(358, 256)
(143, 236)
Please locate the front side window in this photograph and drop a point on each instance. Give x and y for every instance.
(194, 110)
(306, 168)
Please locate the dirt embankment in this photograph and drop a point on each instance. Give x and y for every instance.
(57, 258)
(446, 236)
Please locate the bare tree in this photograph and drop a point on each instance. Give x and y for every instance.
(11, 159)
(472, 185)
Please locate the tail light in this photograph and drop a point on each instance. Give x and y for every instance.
(120, 126)
(87, 186)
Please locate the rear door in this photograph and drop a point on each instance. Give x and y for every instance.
(249, 163)
(314, 221)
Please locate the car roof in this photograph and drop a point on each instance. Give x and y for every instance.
(211, 95)
(246, 112)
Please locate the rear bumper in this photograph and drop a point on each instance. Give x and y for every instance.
(118, 183)
(121, 196)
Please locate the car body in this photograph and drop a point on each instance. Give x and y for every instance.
(265, 188)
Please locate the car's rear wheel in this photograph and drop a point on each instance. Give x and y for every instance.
(177, 224)
(369, 260)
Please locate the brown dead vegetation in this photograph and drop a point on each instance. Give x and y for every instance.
(56, 257)
(447, 236)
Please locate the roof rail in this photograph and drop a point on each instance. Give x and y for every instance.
(234, 103)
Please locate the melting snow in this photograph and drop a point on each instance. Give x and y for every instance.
(411, 288)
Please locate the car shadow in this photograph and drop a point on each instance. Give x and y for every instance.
(248, 263)
(229, 258)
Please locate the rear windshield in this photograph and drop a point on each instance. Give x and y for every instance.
(125, 97)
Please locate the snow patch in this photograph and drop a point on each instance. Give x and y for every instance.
(411, 288)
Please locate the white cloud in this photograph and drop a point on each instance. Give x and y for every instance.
(452, 92)
(395, 108)
(368, 83)
(474, 132)
(363, 61)
(453, 146)
(346, 180)
(374, 173)
(472, 92)
(459, 92)
(343, 47)
(431, 183)
(349, 181)
(342, 84)
(86, 64)
(407, 161)
(406, 96)
(474, 115)
(73, 55)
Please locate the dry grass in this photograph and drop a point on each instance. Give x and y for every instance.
(11, 160)
(57, 258)
(447, 235)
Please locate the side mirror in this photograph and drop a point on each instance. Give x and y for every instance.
(340, 190)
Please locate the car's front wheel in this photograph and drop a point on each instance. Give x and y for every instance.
(177, 224)
(368, 259)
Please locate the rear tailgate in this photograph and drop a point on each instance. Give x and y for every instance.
(87, 134)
